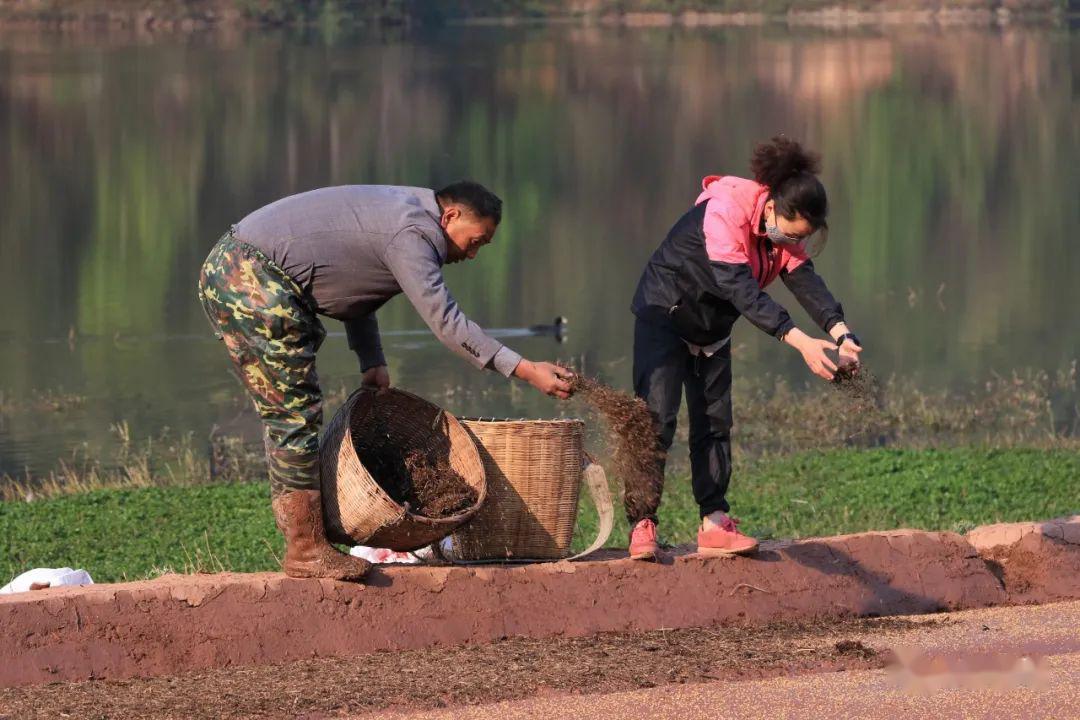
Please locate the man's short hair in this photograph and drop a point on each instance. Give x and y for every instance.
(474, 196)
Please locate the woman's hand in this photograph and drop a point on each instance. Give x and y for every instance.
(546, 377)
(814, 352)
(849, 350)
(849, 354)
(377, 377)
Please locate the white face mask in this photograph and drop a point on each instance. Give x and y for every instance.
(812, 244)
(777, 236)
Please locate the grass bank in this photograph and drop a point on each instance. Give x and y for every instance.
(138, 532)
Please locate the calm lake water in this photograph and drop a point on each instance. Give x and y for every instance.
(950, 157)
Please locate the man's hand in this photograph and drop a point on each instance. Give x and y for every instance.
(377, 377)
(546, 377)
(814, 352)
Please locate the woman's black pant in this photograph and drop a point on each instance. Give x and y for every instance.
(663, 365)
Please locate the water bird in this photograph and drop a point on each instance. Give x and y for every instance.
(558, 328)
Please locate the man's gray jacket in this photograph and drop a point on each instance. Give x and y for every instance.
(352, 248)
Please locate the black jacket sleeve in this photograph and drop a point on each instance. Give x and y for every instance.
(737, 285)
(810, 290)
(364, 340)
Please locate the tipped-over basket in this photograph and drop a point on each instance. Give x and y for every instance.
(534, 469)
(356, 508)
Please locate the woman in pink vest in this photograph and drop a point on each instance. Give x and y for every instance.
(712, 268)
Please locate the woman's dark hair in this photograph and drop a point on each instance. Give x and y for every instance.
(790, 173)
(474, 196)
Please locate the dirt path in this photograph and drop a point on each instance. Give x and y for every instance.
(861, 695)
(758, 672)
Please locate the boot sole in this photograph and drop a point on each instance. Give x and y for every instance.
(338, 578)
(305, 574)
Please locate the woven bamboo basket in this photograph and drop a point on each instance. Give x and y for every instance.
(356, 508)
(534, 474)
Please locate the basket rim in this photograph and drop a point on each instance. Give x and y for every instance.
(406, 513)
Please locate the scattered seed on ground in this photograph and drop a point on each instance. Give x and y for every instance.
(439, 677)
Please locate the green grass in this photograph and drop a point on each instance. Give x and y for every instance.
(135, 533)
(842, 491)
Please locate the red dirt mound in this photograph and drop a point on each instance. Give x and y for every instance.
(1035, 562)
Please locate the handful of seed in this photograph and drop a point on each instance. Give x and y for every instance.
(636, 455)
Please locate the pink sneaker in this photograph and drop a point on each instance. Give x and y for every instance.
(643, 544)
(725, 540)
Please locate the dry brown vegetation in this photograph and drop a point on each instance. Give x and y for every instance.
(1026, 408)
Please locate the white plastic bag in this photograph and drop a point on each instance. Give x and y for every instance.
(49, 577)
(383, 556)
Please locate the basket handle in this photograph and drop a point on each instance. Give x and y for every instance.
(595, 480)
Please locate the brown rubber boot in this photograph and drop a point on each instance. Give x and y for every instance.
(307, 552)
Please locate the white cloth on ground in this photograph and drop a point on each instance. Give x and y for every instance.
(51, 577)
(382, 556)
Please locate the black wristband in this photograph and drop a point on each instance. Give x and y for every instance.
(848, 336)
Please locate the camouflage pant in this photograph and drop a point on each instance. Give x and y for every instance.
(272, 334)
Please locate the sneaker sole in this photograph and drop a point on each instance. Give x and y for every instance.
(649, 555)
(720, 552)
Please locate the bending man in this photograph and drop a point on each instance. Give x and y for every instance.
(342, 252)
